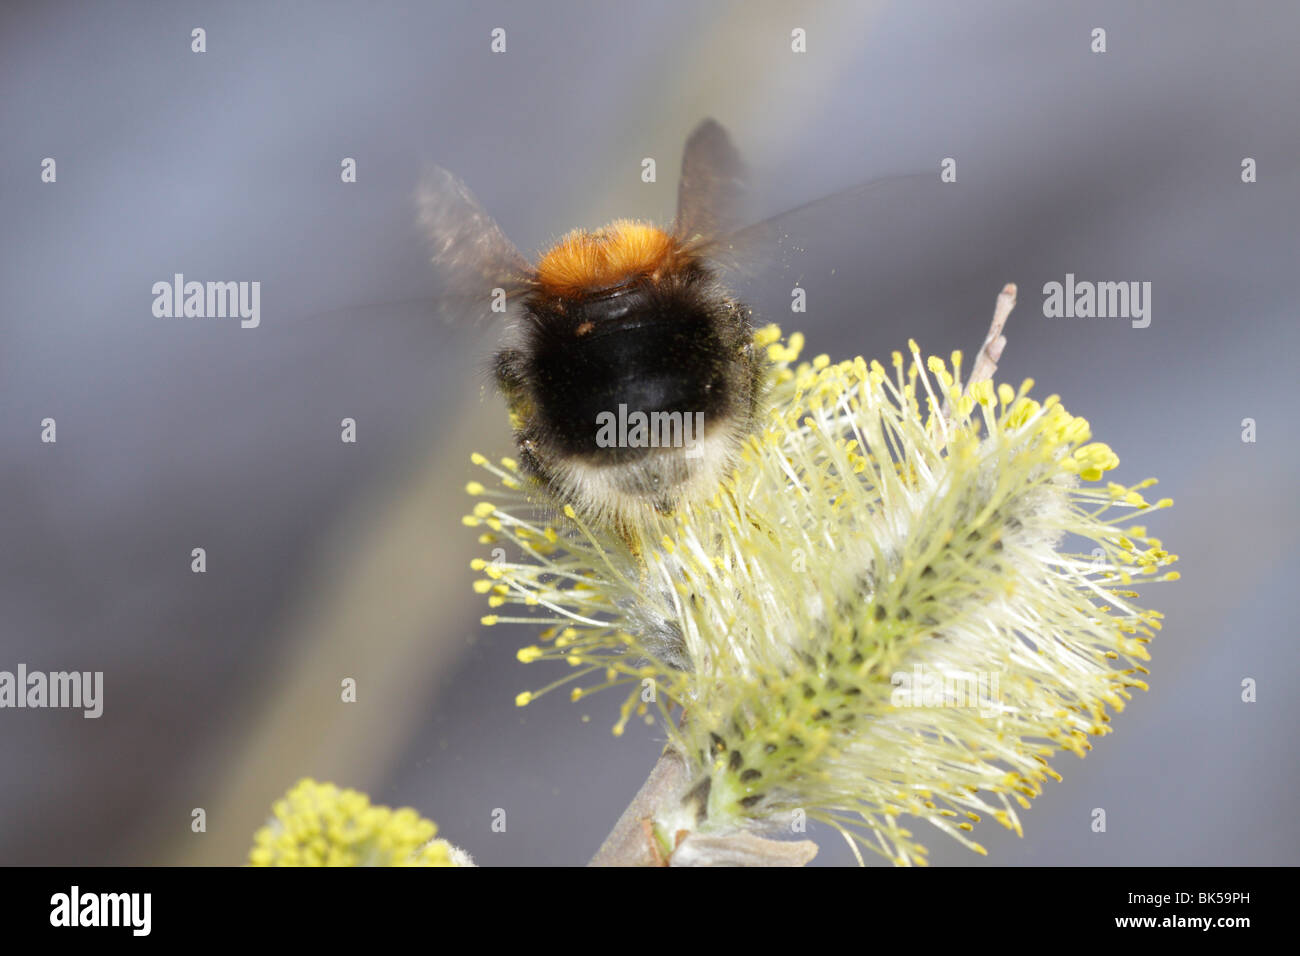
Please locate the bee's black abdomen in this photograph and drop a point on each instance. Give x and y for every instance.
(667, 347)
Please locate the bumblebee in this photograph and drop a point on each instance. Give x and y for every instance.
(628, 369)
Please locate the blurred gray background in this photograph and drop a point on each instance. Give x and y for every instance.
(328, 560)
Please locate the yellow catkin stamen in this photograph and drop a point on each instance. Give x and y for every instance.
(319, 824)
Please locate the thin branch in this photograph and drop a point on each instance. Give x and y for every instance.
(986, 363)
(632, 842)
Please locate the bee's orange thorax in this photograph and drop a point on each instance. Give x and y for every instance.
(624, 250)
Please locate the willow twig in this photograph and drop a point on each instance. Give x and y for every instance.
(633, 841)
(986, 363)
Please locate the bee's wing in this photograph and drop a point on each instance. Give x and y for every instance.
(712, 187)
(711, 203)
(471, 254)
(757, 245)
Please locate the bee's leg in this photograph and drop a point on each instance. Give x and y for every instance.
(632, 541)
(508, 371)
(529, 461)
(507, 368)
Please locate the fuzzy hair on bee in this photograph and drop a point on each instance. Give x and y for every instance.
(666, 348)
(629, 369)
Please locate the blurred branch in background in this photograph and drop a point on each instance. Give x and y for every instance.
(378, 609)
